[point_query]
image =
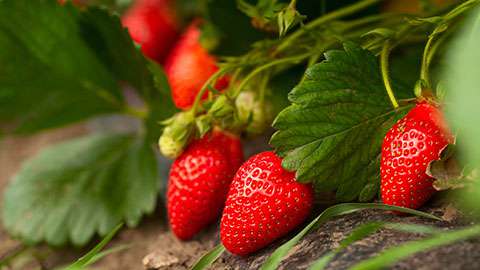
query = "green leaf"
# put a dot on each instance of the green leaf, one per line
(332, 133)
(264, 14)
(92, 255)
(160, 103)
(61, 65)
(323, 261)
(209, 258)
(72, 190)
(356, 235)
(366, 230)
(392, 255)
(462, 98)
(340, 209)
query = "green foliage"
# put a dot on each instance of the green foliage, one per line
(272, 16)
(263, 14)
(332, 133)
(72, 190)
(356, 235)
(209, 258)
(159, 102)
(340, 209)
(462, 95)
(288, 18)
(364, 231)
(394, 254)
(62, 65)
(95, 253)
(462, 109)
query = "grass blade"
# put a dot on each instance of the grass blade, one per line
(359, 233)
(210, 257)
(356, 235)
(93, 254)
(323, 261)
(394, 254)
(340, 209)
(107, 252)
(366, 230)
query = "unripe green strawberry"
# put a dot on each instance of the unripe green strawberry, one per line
(222, 107)
(408, 148)
(256, 115)
(177, 134)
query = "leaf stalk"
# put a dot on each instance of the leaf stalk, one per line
(385, 74)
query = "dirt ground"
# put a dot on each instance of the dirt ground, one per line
(152, 246)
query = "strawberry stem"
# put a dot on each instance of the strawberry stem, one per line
(384, 68)
(444, 29)
(137, 113)
(294, 59)
(326, 18)
(205, 87)
(424, 74)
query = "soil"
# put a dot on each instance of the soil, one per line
(152, 246)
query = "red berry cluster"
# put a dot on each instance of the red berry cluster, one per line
(154, 26)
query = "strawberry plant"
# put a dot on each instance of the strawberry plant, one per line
(350, 98)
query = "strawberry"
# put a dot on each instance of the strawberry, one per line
(264, 203)
(189, 66)
(199, 181)
(407, 150)
(153, 25)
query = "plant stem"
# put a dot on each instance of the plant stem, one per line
(256, 71)
(384, 68)
(204, 88)
(424, 75)
(132, 111)
(326, 18)
(431, 47)
(374, 18)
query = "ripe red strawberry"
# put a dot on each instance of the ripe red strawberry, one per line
(408, 148)
(264, 203)
(189, 66)
(153, 25)
(199, 182)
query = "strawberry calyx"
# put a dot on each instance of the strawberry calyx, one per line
(177, 134)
